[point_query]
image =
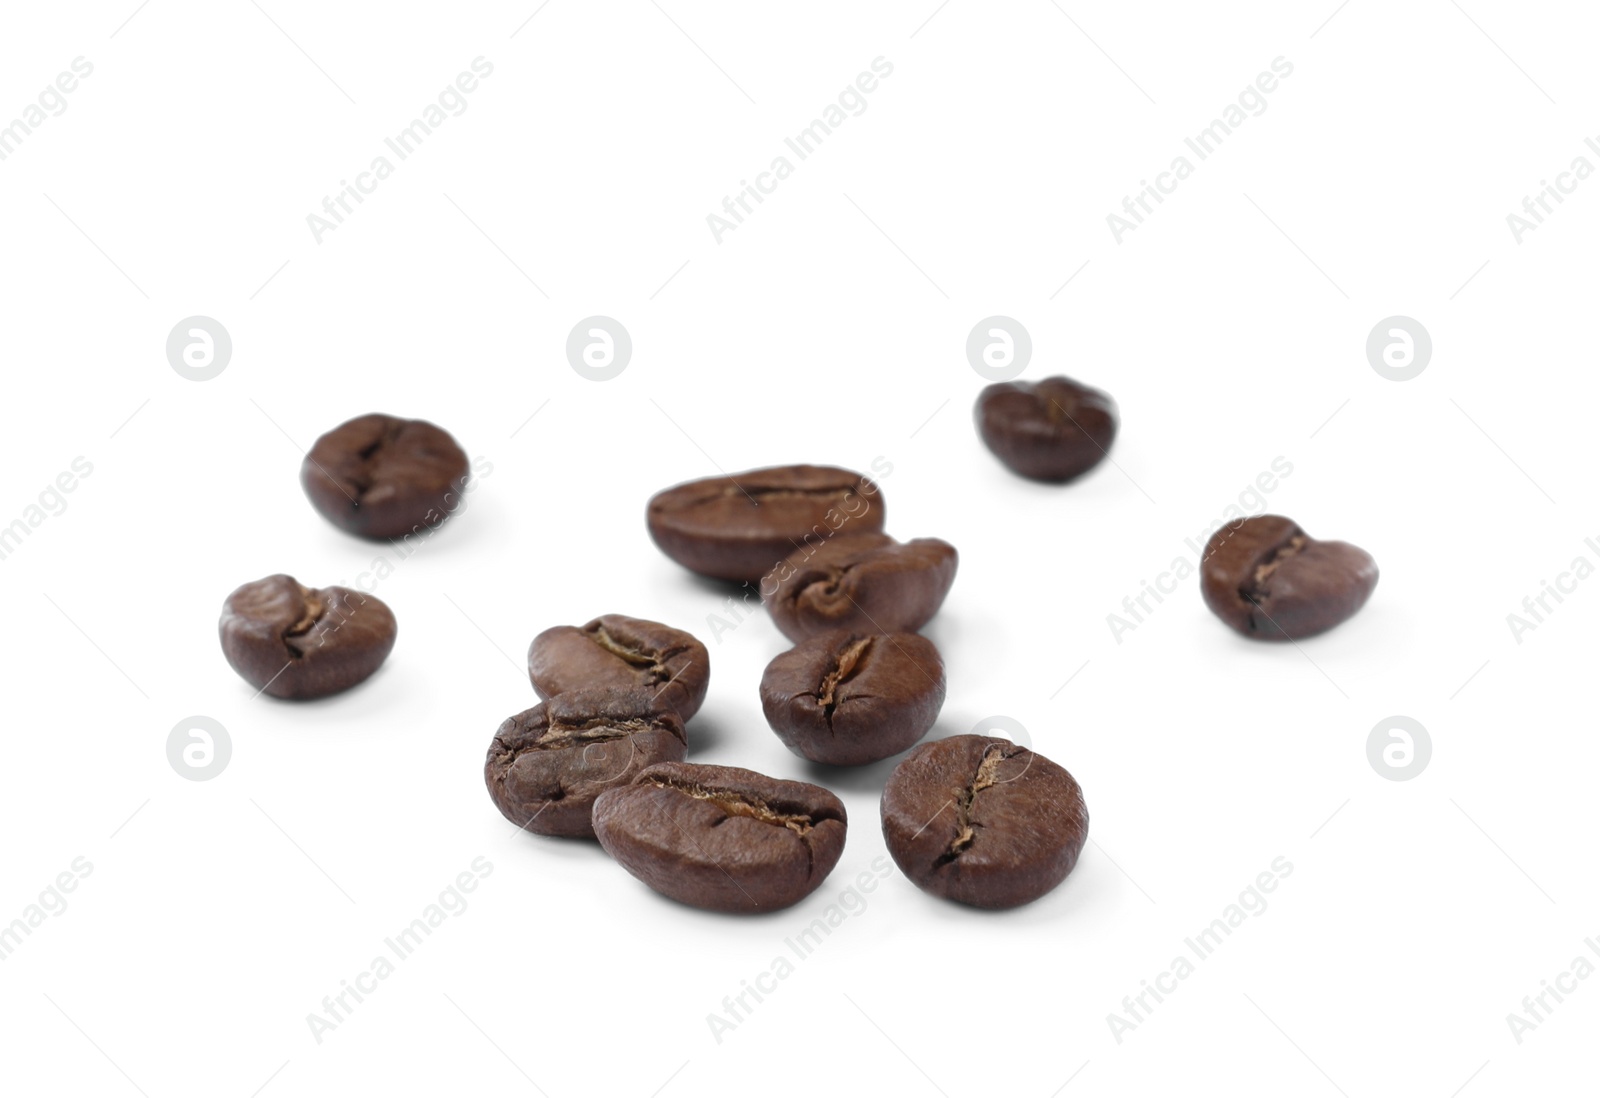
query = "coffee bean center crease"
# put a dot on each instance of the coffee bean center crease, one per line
(966, 828)
(737, 804)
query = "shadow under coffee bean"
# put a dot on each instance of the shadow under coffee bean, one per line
(293, 641)
(1054, 429)
(982, 821)
(847, 699)
(865, 582)
(738, 527)
(379, 476)
(722, 838)
(1270, 580)
(548, 764)
(621, 653)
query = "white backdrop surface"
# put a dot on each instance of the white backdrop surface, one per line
(206, 920)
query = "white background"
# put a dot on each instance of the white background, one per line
(830, 327)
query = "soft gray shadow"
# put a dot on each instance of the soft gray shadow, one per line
(872, 777)
(867, 779)
(705, 733)
(747, 591)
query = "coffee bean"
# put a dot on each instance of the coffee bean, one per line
(621, 652)
(979, 820)
(1270, 580)
(1053, 429)
(738, 527)
(722, 838)
(863, 582)
(547, 765)
(382, 477)
(847, 698)
(291, 641)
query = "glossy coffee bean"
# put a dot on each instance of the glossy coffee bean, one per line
(548, 764)
(847, 698)
(620, 653)
(862, 582)
(382, 477)
(738, 527)
(983, 821)
(1054, 429)
(293, 641)
(1269, 580)
(722, 838)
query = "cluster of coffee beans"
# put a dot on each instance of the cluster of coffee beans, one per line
(975, 819)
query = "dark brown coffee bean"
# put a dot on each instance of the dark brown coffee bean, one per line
(621, 652)
(382, 477)
(291, 641)
(847, 698)
(862, 582)
(979, 820)
(1270, 580)
(738, 527)
(1053, 429)
(547, 765)
(720, 837)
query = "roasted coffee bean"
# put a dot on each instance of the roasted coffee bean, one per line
(381, 477)
(547, 765)
(738, 527)
(1270, 580)
(1053, 429)
(291, 641)
(720, 837)
(982, 821)
(847, 698)
(864, 582)
(621, 652)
